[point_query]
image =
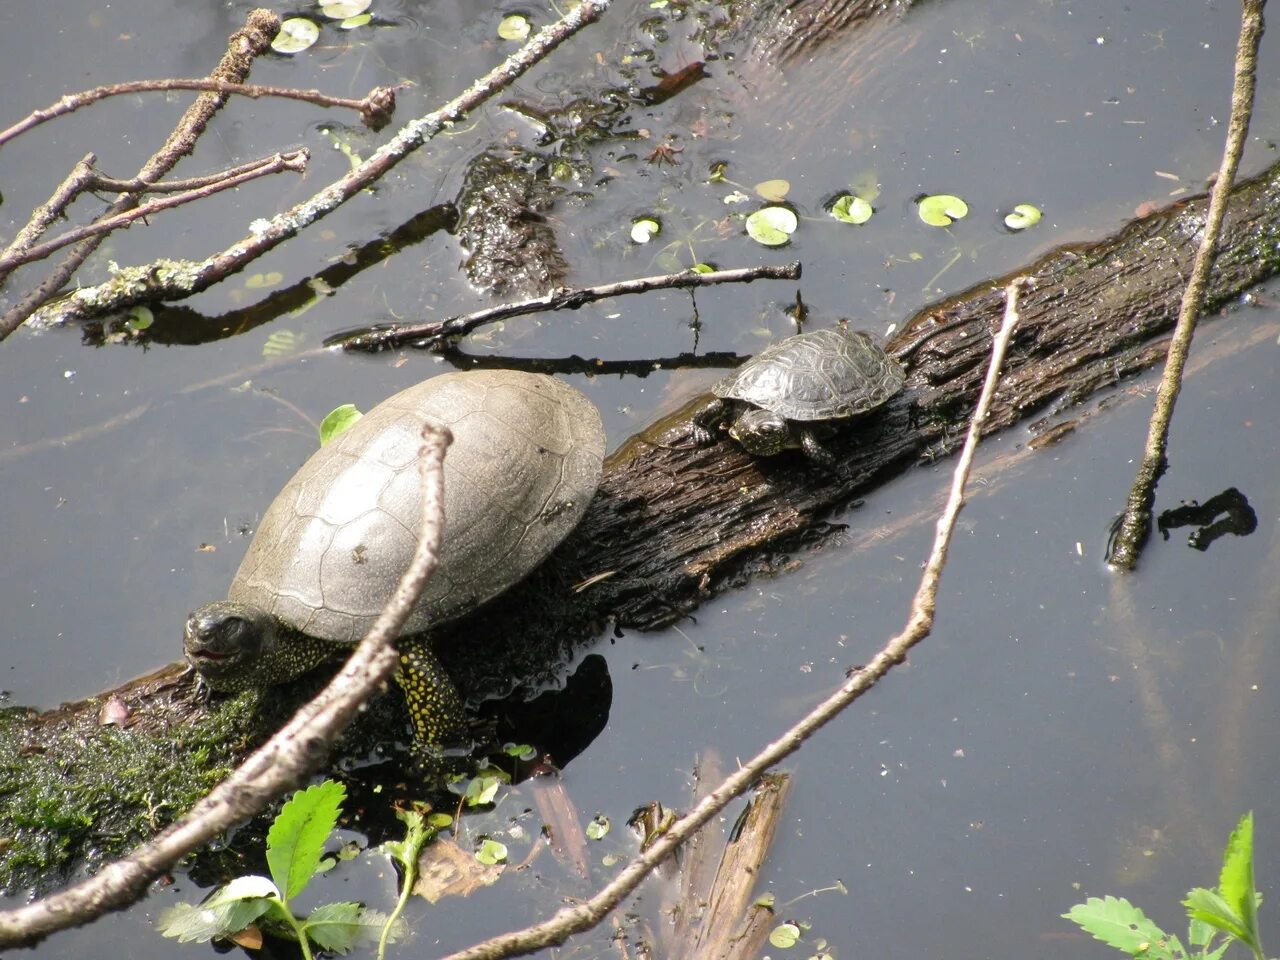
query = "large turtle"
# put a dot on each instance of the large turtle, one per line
(330, 549)
(793, 392)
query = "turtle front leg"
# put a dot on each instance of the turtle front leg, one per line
(815, 451)
(435, 706)
(706, 420)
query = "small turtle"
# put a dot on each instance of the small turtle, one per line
(524, 463)
(793, 392)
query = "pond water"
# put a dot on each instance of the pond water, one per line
(1064, 732)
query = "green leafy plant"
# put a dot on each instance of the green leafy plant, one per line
(295, 856)
(1218, 917)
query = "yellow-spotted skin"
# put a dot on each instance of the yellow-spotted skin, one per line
(435, 707)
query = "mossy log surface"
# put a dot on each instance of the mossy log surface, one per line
(672, 524)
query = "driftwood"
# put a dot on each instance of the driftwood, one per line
(673, 524)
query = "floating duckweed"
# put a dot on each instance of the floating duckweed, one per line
(344, 9)
(492, 852)
(940, 209)
(296, 34)
(514, 26)
(784, 936)
(338, 421)
(772, 226)
(598, 828)
(850, 209)
(1024, 215)
(773, 190)
(703, 268)
(357, 21)
(644, 229)
(140, 318)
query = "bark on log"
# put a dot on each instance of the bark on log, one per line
(673, 524)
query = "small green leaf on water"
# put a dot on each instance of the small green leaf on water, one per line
(703, 268)
(598, 828)
(341, 9)
(515, 26)
(773, 190)
(850, 209)
(188, 922)
(295, 842)
(440, 820)
(644, 229)
(772, 226)
(259, 281)
(1024, 215)
(492, 852)
(338, 421)
(296, 34)
(940, 209)
(280, 343)
(716, 173)
(521, 751)
(784, 936)
(482, 790)
(140, 318)
(358, 21)
(338, 927)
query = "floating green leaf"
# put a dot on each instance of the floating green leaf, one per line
(295, 842)
(644, 229)
(296, 34)
(357, 21)
(338, 421)
(784, 936)
(515, 26)
(702, 268)
(280, 343)
(259, 281)
(140, 318)
(1024, 215)
(598, 828)
(342, 9)
(772, 226)
(850, 209)
(940, 209)
(491, 852)
(481, 790)
(773, 190)
(521, 751)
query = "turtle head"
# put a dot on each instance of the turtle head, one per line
(227, 643)
(762, 432)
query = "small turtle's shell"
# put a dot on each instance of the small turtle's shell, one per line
(523, 466)
(823, 375)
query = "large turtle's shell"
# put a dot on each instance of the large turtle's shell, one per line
(823, 375)
(523, 466)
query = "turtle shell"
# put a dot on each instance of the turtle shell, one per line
(523, 466)
(822, 375)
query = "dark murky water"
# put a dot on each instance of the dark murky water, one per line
(1062, 727)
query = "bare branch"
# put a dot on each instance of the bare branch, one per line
(1135, 526)
(295, 161)
(244, 46)
(583, 916)
(375, 109)
(52, 209)
(282, 762)
(176, 280)
(399, 334)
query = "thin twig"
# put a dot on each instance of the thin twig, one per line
(52, 209)
(297, 749)
(1135, 526)
(134, 285)
(375, 108)
(585, 915)
(399, 334)
(243, 47)
(295, 161)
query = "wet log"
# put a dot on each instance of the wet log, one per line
(674, 524)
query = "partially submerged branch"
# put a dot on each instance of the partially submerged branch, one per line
(1135, 525)
(418, 334)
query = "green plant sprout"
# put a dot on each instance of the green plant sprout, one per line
(1230, 911)
(295, 856)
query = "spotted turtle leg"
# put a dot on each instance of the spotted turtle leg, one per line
(435, 706)
(704, 422)
(815, 451)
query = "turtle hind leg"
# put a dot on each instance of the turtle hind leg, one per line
(815, 451)
(706, 420)
(435, 706)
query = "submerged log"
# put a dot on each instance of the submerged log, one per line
(673, 524)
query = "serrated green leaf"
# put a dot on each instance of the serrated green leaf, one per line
(340, 926)
(296, 839)
(1207, 906)
(1200, 934)
(189, 923)
(1235, 882)
(1117, 923)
